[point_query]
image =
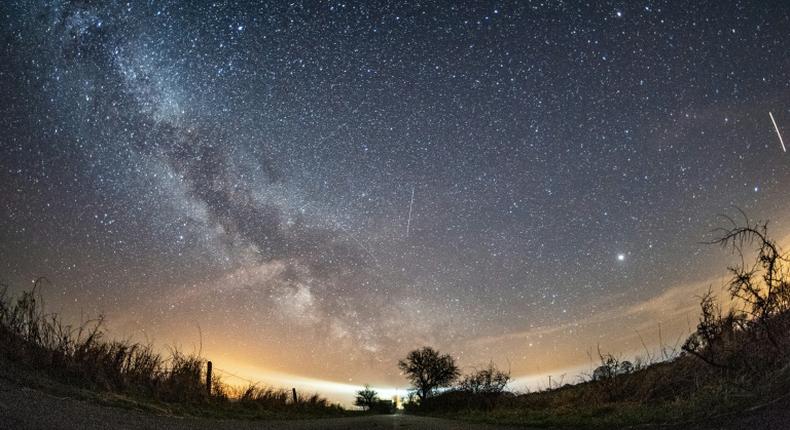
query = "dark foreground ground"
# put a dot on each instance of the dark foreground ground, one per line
(26, 408)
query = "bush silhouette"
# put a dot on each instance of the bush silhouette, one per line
(489, 380)
(366, 398)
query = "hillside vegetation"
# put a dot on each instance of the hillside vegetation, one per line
(38, 348)
(735, 363)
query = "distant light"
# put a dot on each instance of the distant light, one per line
(619, 14)
(620, 257)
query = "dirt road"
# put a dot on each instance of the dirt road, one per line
(24, 408)
(28, 409)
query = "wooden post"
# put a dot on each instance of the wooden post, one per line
(208, 378)
(296, 399)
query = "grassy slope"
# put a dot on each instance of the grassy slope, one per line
(40, 380)
(38, 350)
(735, 366)
(684, 390)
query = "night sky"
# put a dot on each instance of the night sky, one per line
(244, 173)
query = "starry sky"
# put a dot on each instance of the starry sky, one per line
(315, 188)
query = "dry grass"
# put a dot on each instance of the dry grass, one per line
(276, 399)
(82, 356)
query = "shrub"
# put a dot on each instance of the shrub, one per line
(489, 380)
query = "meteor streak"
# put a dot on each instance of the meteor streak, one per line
(777, 131)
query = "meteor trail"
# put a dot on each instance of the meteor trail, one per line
(777, 131)
(411, 204)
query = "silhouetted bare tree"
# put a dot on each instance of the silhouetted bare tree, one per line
(428, 370)
(760, 293)
(764, 285)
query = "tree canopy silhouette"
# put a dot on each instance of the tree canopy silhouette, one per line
(428, 370)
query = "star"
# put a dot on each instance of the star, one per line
(327, 183)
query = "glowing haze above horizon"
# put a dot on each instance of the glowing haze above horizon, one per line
(310, 190)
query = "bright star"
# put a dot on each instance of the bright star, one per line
(620, 257)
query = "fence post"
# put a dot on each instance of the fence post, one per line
(296, 399)
(208, 378)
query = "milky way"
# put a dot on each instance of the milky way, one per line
(250, 169)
